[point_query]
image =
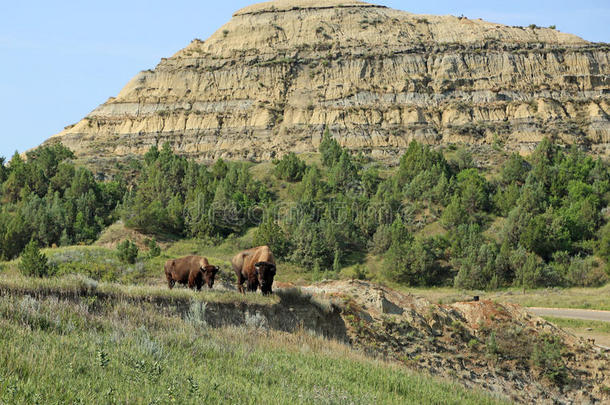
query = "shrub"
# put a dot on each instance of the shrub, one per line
(127, 252)
(382, 240)
(491, 345)
(546, 356)
(153, 248)
(462, 159)
(414, 262)
(330, 149)
(33, 262)
(290, 168)
(269, 233)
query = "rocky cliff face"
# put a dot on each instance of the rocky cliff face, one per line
(275, 76)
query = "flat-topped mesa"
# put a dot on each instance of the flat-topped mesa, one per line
(279, 73)
(288, 5)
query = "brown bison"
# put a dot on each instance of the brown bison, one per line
(257, 266)
(191, 270)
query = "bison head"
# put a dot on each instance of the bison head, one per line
(209, 274)
(265, 272)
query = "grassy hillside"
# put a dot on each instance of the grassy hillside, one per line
(57, 352)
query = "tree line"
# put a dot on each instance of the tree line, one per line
(538, 221)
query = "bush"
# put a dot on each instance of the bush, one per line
(585, 272)
(290, 168)
(269, 233)
(414, 263)
(33, 262)
(153, 248)
(382, 240)
(127, 252)
(330, 149)
(547, 358)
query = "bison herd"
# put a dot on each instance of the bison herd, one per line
(254, 266)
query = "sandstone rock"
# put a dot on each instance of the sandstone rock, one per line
(275, 76)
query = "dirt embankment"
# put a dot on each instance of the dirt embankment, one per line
(502, 348)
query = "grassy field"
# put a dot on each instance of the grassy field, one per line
(581, 298)
(581, 325)
(58, 352)
(599, 331)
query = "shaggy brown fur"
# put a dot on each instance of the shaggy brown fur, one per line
(191, 270)
(257, 267)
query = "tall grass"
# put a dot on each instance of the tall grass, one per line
(55, 352)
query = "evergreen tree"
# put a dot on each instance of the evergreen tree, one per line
(127, 252)
(33, 262)
(269, 233)
(290, 168)
(330, 149)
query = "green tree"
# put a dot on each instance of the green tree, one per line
(154, 250)
(473, 190)
(330, 149)
(419, 158)
(370, 181)
(603, 245)
(3, 170)
(477, 269)
(545, 234)
(455, 214)
(127, 252)
(220, 169)
(514, 170)
(290, 168)
(33, 262)
(414, 263)
(343, 173)
(269, 233)
(312, 187)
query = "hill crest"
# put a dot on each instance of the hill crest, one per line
(279, 73)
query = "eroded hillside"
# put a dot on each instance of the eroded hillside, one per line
(279, 73)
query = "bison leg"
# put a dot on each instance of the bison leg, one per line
(252, 286)
(170, 281)
(240, 283)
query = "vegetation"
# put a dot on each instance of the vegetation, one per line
(535, 222)
(180, 197)
(594, 327)
(34, 263)
(124, 353)
(46, 198)
(547, 358)
(290, 168)
(127, 252)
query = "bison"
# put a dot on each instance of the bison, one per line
(257, 266)
(191, 270)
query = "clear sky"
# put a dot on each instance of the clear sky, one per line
(61, 59)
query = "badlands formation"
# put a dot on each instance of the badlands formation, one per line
(279, 73)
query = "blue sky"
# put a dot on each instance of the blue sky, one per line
(61, 59)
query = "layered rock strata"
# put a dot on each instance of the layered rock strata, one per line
(277, 74)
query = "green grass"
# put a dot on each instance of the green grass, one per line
(55, 352)
(581, 325)
(78, 285)
(578, 298)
